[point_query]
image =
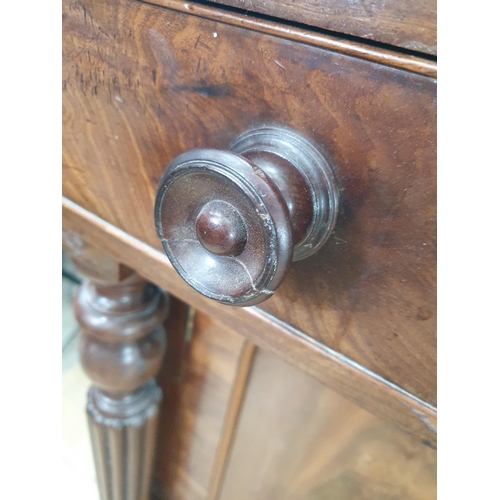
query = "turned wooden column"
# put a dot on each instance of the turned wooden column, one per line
(121, 349)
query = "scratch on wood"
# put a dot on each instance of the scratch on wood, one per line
(425, 420)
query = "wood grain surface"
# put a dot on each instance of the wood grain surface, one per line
(336, 371)
(298, 440)
(210, 368)
(410, 24)
(245, 363)
(300, 34)
(171, 378)
(142, 84)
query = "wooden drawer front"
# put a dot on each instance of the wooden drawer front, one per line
(410, 24)
(143, 84)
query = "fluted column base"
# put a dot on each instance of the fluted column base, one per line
(123, 434)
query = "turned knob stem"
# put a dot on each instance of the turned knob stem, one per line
(232, 221)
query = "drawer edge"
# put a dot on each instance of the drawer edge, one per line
(389, 58)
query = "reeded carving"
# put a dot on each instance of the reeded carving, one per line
(122, 345)
(123, 435)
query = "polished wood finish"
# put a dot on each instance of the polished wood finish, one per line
(410, 24)
(253, 397)
(171, 379)
(121, 349)
(351, 380)
(203, 379)
(231, 221)
(210, 369)
(390, 58)
(157, 83)
(237, 394)
(298, 440)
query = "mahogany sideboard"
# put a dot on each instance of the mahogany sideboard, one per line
(249, 189)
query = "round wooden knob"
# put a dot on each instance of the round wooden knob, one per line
(232, 221)
(220, 228)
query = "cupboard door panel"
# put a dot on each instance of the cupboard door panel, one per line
(298, 440)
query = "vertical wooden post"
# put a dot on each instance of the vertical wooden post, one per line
(121, 349)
